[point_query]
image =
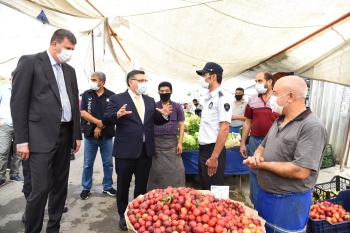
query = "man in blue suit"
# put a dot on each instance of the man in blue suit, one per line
(134, 115)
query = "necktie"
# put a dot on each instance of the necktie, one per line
(66, 108)
(138, 107)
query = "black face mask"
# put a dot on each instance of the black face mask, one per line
(196, 105)
(165, 97)
(238, 97)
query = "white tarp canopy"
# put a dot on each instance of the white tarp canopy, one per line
(173, 38)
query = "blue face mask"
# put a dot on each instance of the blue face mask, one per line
(142, 88)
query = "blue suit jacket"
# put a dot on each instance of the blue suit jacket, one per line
(129, 128)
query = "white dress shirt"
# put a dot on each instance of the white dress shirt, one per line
(133, 97)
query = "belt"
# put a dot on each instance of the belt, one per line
(65, 124)
(208, 145)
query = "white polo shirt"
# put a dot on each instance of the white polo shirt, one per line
(217, 107)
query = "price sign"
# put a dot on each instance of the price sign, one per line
(220, 191)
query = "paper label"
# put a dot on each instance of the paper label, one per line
(220, 191)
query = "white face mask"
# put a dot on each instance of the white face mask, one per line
(260, 88)
(275, 107)
(65, 55)
(203, 83)
(141, 88)
(94, 86)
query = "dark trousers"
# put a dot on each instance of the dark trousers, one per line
(27, 178)
(49, 179)
(207, 181)
(125, 168)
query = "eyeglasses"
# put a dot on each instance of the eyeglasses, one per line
(140, 80)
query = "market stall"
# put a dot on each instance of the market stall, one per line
(234, 160)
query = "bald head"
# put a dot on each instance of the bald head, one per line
(293, 84)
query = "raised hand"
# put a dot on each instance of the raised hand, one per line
(166, 110)
(122, 111)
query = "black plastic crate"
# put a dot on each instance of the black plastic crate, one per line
(328, 157)
(330, 189)
(322, 226)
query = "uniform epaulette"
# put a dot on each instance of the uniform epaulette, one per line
(220, 94)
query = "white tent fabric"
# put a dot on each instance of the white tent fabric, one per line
(334, 68)
(74, 8)
(177, 37)
(174, 38)
(21, 34)
(59, 20)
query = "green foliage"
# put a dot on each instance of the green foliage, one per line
(190, 141)
(328, 160)
(192, 123)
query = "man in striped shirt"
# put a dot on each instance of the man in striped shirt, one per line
(259, 118)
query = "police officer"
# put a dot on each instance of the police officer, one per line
(215, 125)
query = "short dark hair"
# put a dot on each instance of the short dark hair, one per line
(60, 34)
(218, 77)
(131, 75)
(268, 76)
(165, 84)
(240, 89)
(194, 100)
(100, 75)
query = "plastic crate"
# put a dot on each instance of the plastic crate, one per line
(322, 226)
(328, 157)
(327, 190)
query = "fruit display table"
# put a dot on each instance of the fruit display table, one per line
(185, 209)
(234, 162)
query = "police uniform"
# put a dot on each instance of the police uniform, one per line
(216, 108)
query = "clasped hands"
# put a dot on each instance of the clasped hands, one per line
(165, 111)
(254, 162)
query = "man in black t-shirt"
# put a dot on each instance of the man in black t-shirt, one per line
(96, 135)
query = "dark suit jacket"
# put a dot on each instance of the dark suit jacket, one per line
(129, 128)
(36, 104)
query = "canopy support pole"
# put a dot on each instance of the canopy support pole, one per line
(113, 33)
(93, 49)
(346, 150)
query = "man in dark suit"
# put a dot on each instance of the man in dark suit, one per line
(46, 120)
(134, 115)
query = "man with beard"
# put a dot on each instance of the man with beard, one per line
(259, 119)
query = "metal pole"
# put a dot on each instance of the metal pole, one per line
(93, 49)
